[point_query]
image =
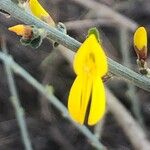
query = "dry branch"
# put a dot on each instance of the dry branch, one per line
(132, 130)
(86, 23)
(51, 98)
(102, 10)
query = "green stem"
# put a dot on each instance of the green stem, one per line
(72, 44)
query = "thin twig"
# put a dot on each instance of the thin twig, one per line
(102, 10)
(51, 98)
(72, 44)
(98, 129)
(132, 130)
(86, 23)
(16, 103)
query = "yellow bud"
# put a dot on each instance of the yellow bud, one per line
(140, 42)
(140, 38)
(22, 30)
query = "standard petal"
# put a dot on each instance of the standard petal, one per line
(98, 102)
(91, 47)
(81, 55)
(101, 65)
(74, 101)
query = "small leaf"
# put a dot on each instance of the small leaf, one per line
(95, 32)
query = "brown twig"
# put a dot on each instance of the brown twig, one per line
(102, 10)
(86, 23)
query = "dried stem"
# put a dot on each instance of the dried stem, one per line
(51, 98)
(132, 130)
(16, 103)
(86, 23)
(102, 10)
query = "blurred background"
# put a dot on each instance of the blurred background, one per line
(47, 128)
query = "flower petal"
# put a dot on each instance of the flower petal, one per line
(100, 59)
(86, 93)
(74, 101)
(91, 46)
(40, 12)
(97, 108)
(37, 9)
(79, 97)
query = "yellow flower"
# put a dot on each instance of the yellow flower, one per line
(140, 42)
(40, 12)
(140, 38)
(87, 95)
(22, 30)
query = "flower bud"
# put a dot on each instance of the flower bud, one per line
(31, 35)
(22, 30)
(140, 43)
